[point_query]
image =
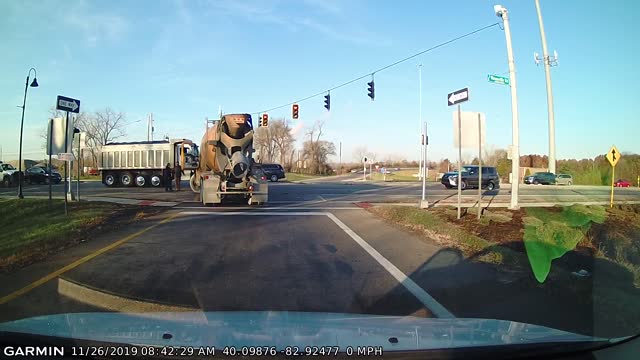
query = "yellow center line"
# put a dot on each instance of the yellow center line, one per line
(55, 274)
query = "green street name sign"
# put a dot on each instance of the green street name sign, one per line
(502, 80)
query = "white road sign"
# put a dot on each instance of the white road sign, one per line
(469, 120)
(457, 97)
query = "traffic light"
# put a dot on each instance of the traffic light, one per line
(265, 120)
(295, 111)
(327, 102)
(260, 122)
(372, 90)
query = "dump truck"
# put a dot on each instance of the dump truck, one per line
(140, 163)
(227, 171)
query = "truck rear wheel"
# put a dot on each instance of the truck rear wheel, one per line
(156, 180)
(109, 180)
(140, 181)
(126, 179)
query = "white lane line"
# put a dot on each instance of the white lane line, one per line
(427, 300)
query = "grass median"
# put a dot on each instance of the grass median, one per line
(574, 268)
(32, 229)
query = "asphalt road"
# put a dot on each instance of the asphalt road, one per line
(347, 190)
(311, 249)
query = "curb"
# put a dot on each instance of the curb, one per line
(123, 201)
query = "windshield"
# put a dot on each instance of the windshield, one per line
(285, 173)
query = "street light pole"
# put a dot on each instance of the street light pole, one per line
(24, 103)
(547, 71)
(515, 127)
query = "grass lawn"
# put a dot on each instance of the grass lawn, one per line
(403, 175)
(542, 251)
(31, 229)
(297, 177)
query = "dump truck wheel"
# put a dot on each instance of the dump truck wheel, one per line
(109, 180)
(126, 179)
(156, 180)
(140, 181)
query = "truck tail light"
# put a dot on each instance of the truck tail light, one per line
(263, 177)
(250, 188)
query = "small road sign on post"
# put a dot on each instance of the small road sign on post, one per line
(457, 97)
(502, 80)
(68, 104)
(66, 157)
(613, 156)
(454, 98)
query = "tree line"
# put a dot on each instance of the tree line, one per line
(276, 144)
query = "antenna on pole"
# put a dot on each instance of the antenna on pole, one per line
(553, 61)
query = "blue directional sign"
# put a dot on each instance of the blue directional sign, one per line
(68, 104)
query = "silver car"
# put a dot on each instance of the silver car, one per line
(564, 179)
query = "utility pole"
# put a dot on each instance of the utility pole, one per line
(501, 12)
(150, 128)
(547, 70)
(340, 161)
(420, 167)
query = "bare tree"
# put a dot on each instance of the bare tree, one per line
(275, 142)
(359, 153)
(263, 142)
(101, 128)
(318, 150)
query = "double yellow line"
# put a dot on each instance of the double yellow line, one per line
(73, 265)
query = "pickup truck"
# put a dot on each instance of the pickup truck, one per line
(8, 175)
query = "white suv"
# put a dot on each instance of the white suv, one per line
(8, 174)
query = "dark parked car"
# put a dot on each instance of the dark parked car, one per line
(470, 178)
(545, 178)
(273, 172)
(40, 175)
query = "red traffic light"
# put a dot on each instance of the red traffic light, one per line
(265, 120)
(295, 111)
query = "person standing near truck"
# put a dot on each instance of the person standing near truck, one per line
(167, 174)
(179, 173)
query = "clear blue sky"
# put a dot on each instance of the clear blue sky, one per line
(181, 59)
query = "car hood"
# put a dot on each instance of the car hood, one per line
(283, 329)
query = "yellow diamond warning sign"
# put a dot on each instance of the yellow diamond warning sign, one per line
(613, 156)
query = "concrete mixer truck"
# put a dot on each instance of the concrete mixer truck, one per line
(226, 171)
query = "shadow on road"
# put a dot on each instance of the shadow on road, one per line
(604, 303)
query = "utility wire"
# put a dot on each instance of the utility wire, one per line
(382, 68)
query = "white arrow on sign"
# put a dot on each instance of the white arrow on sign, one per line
(455, 97)
(68, 104)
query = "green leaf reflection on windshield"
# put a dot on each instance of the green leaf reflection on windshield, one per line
(550, 234)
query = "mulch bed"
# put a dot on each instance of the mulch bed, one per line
(508, 233)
